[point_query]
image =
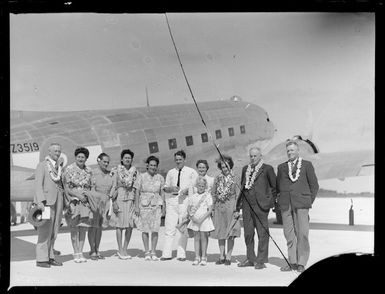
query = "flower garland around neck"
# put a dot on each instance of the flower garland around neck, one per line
(299, 164)
(127, 176)
(250, 179)
(224, 186)
(55, 176)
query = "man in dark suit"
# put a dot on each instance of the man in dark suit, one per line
(297, 187)
(49, 194)
(258, 194)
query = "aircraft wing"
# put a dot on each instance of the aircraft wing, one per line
(328, 165)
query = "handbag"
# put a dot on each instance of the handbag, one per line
(182, 228)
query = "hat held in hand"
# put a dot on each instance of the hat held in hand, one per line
(35, 217)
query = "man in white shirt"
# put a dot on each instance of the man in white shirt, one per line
(178, 179)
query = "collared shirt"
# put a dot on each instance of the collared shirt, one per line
(188, 177)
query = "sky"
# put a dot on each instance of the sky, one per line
(312, 72)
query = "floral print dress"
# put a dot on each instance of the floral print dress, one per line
(224, 195)
(78, 180)
(123, 184)
(150, 201)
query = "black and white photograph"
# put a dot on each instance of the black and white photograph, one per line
(189, 149)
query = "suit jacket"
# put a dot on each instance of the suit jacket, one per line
(45, 188)
(262, 192)
(300, 193)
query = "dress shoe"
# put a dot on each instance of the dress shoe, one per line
(181, 258)
(245, 263)
(56, 252)
(260, 266)
(227, 261)
(300, 268)
(94, 257)
(55, 262)
(43, 263)
(288, 268)
(165, 258)
(220, 261)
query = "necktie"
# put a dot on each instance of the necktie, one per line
(178, 183)
(293, 170)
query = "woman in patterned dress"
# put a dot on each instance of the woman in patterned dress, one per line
(150, 205)
(124, 177)
(224, 193)
(101, 188)
(77, 185)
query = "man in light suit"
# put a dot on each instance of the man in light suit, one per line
(297, 187)
(49, 193)
(178, 181)
(258, 194)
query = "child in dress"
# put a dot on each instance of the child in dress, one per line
(199, 209)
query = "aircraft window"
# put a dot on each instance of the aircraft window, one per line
(243, 130)
(231, 132)
(204, 138)
(189, 141)
(218, 134)
(153, 146)
(172, 143)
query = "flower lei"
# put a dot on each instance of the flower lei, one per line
(250, 180)
(78, 178)
(55, 176)
(224, 186)
(297, 171)
(127, 177)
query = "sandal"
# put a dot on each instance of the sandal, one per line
(154, 257)
(76, 258)
(196, 261)
(147, 256)
(82, 258)
(119, 255)
(203, 261)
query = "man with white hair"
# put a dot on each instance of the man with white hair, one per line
(297, 187)
(49, 195)
(258, 194)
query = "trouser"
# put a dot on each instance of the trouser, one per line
(296, 231)
(13, 213)
(250, 223)
(48, 231)
(174, 214)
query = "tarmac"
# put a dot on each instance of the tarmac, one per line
(329, 235)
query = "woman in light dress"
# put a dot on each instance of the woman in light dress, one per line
(123, 191)
(199, 210)
(150, 206)
(102, 182)
(78, 215)
(225, 193)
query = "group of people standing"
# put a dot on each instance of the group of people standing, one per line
(210, 207)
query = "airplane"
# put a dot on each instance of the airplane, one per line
(233, 125)
(156, 130)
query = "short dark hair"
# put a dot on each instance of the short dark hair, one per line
(152, 157)
(204, 161)
(180, 153)
(101, 155)
(82, 150)
(124, 152)
(225, 158)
